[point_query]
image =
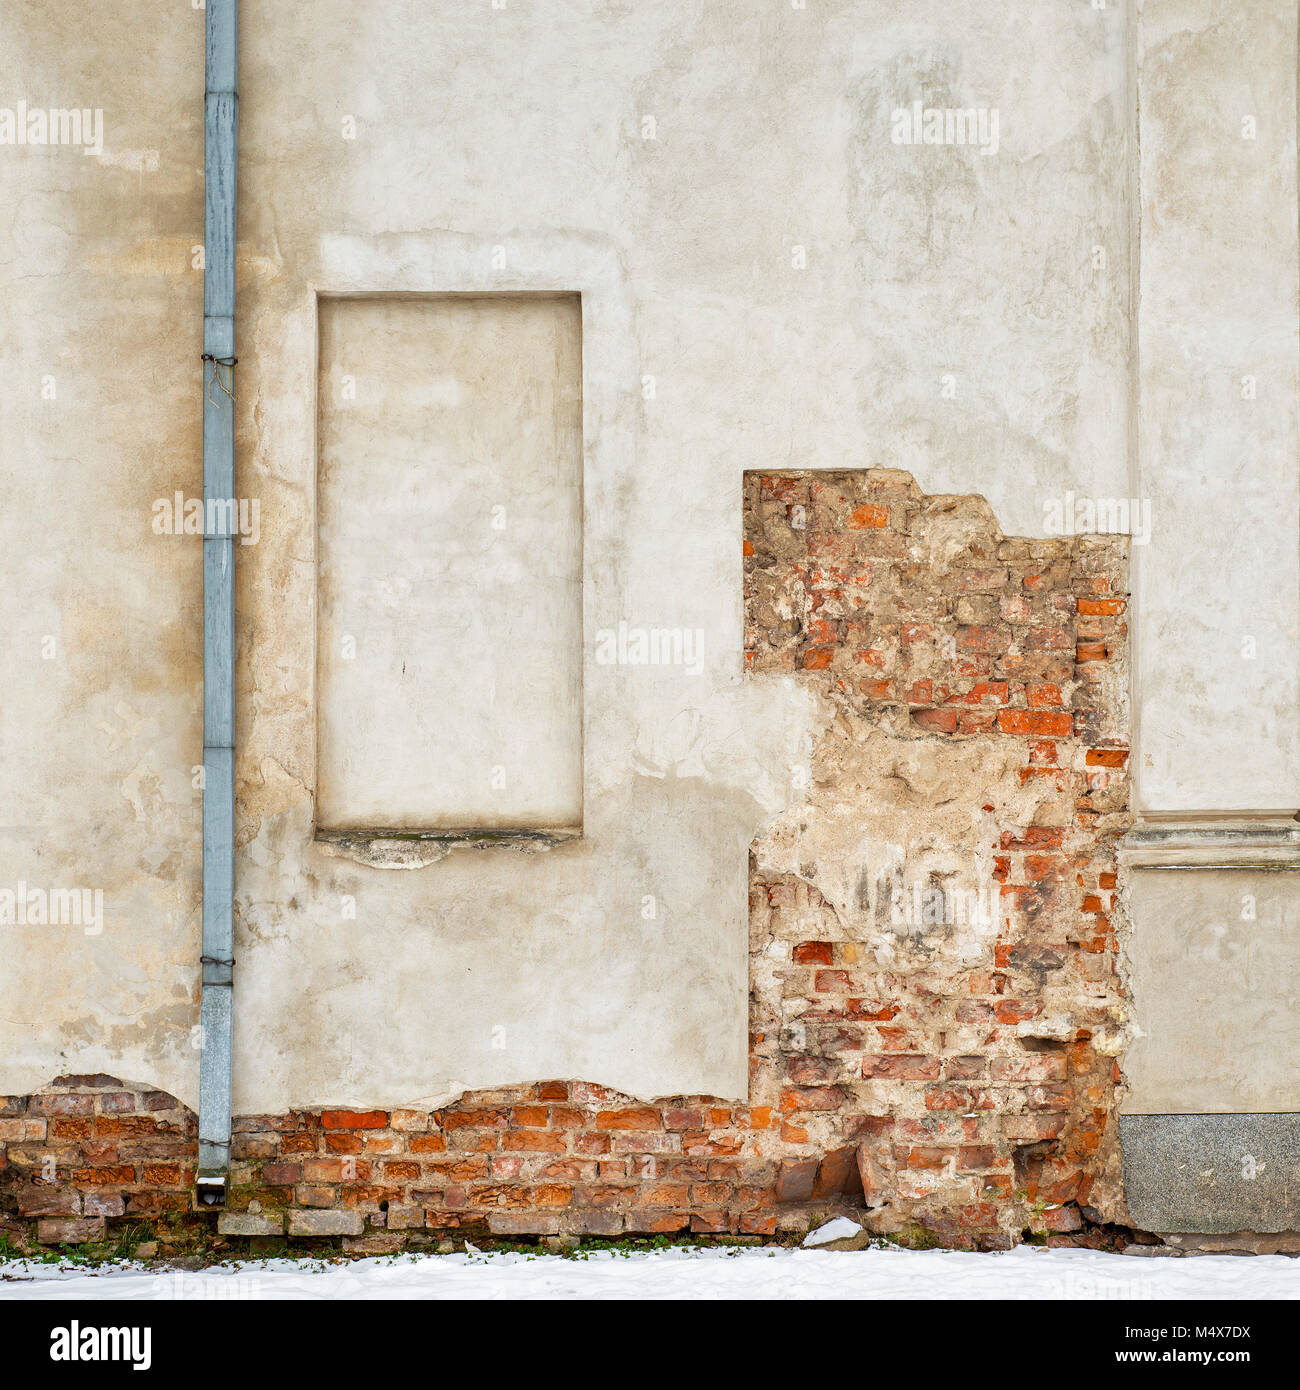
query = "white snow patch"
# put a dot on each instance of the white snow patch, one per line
(744, 1272)
(841, 1228)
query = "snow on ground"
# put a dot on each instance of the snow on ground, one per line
(747, 1273)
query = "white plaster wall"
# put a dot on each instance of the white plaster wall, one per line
(1216, 610)
(449, 647)
(1217, 591)
(1216, 993)
(769, 281)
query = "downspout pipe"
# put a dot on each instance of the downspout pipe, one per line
(220, 164)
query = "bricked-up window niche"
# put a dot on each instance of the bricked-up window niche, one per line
(449, 497)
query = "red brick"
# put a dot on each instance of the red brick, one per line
(675, 1119)
(533, 1141)
(1030, 1066)
(1034, 837)
(935, 721)
(552, 1195)
(427, 1144)
(103, 1177)
(640, 1117)
(900, 1067)
(868, 517)
(710, 1222)
(956, 1098)
(656, 1223)
(828, 981)
(1031, 1127)
(475, 1119)
(811, 1071)
(62, 1105)
(112, 1126)
(983, 639)
(812, 1098)
(1043, 695)
(795, 1180)
(838, 1172)
(354, 1119)
(1065, 1218)
(872, 1010)
(663, 1195)
(983, 692)
(69, 1129)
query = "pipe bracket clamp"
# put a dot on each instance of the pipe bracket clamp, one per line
(218, 970)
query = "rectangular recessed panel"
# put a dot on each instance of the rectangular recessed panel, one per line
(1213, 971)
(449, 512)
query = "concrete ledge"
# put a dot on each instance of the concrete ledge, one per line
(1248, 843)
(396, 849)
(1212, 1174)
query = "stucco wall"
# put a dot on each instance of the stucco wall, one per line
(1213, 960)
(1217, 592)
(1218, 589)
(449, 547)
(769, 280)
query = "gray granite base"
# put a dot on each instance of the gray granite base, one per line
(1212, 1174)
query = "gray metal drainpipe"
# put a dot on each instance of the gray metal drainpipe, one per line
(221, 128)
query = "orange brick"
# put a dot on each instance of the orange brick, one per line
(354, 1119)
(640, 1117)
(1039, 722)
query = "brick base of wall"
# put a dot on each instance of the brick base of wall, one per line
(90, 1157)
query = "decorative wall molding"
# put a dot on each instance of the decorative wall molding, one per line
(1239, 843)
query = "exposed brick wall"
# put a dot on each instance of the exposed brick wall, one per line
(962, 1080)
(989, 1057)
(555, 1156)
(90, 1150)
